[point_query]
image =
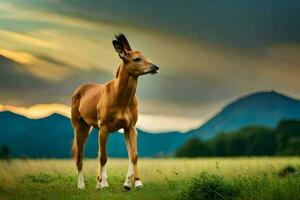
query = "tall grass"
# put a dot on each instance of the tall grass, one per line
(163, 178)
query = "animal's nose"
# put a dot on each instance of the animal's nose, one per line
(155, 67)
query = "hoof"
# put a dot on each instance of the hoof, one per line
(81, 187)
(127, 184)
(126, 189)
(102, 185)
(138, 184)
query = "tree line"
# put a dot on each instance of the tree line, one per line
(248, 141)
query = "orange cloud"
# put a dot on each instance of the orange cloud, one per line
(38, 111)
(23, 38)
(36, 66)
(17, 56)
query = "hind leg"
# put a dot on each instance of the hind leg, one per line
(81, 132)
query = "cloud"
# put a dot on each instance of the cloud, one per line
(41, 67)
(248, 24)
(10, 11)
(20, 57)
(38, 111)
(52, 47)
(23, 38)
(20, 87)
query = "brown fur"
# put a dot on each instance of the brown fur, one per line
(110, 107)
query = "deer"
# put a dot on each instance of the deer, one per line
(110, 107)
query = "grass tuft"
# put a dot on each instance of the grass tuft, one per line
(39, 178)
(207, 186)
(288, 170)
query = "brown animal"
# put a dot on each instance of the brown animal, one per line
(110, 107)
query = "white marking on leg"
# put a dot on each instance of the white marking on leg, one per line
(128, 182)
(80, 180)
(103, 183)
(138, 183)
(130, 170)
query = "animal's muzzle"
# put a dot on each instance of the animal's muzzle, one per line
(154, 69)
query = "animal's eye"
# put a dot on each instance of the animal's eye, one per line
(137, 59)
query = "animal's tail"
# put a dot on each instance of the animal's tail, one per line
(75, 116)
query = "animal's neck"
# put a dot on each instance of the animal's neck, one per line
(125, 86)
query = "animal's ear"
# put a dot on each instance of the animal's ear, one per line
(123, 40)
(119, 48)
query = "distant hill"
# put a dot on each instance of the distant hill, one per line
(262, 108)
(52, 137)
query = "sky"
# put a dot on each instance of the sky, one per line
(209, 53)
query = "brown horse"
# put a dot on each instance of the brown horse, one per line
(110, 107)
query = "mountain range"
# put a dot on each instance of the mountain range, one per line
(52, 136)
(261, 108)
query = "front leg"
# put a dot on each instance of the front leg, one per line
(102, 176)
(133, 173)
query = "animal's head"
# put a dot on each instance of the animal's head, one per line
(135, 63)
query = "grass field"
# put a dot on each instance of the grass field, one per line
(250, 178)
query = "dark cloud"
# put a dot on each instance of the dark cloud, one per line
(248, 23)
(21, 88)
(53, 60)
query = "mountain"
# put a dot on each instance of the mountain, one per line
(262, 108)
(52, 137)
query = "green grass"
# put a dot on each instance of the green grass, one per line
(207, 178)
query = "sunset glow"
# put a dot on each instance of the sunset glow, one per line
(38, 111)
(151, 123)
